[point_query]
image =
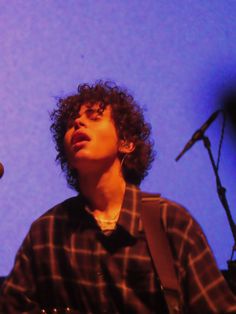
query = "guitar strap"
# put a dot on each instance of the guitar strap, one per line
(160, 251)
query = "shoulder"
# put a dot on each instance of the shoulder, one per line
(175, 215)
(172, 213)
(49, 228)
(59, 211)
(56, 217)
(184, 232)
(181, 227)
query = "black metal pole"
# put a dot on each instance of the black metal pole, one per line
(220, 189)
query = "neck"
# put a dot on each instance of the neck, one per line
(104, 191)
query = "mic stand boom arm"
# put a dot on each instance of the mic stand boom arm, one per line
(220, 189)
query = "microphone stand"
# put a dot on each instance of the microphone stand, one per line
(221, 190)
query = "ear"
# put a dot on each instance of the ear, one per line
(126, 147)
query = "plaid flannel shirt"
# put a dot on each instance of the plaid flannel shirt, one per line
(66, 261)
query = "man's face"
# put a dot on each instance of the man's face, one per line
(91, 139)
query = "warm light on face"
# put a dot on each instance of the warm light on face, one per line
(92, 138)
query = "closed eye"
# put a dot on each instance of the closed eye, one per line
(90, 113)
(94, 114)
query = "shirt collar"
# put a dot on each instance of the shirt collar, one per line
(129, 218)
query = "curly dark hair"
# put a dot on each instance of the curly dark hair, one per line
(129, 122)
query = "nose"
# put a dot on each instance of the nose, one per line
(79, 122)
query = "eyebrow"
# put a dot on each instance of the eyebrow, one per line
(100, 107)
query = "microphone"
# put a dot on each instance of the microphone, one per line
(1, 170)
(228, 100)
(198, 134)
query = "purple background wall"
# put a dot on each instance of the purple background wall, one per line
(174, 56)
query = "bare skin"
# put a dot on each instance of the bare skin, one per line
(96, 161)
(104, 192)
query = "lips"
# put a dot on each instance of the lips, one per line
(79, 137)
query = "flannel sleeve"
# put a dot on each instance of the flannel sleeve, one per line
(204, 287)
(18, 293)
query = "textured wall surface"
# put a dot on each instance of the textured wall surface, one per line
(173, 56)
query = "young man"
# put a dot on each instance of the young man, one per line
(89, 254)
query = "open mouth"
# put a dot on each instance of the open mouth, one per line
(79, 137)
